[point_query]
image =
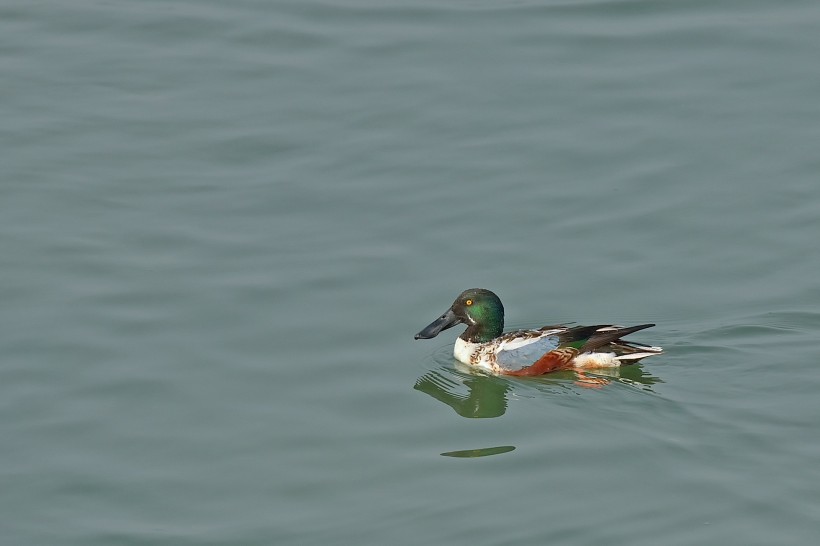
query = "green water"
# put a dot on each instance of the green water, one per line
(221, 225)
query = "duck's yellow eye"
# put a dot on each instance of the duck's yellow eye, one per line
(469, 302)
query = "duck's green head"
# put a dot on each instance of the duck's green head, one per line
(479, 309)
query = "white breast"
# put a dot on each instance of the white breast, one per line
(462, 350)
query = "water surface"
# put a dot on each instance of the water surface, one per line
(223, 223)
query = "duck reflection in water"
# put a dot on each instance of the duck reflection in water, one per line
(472, 396)
(475, 395)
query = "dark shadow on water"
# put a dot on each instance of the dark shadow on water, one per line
(481, 452)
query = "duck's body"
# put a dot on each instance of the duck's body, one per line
(483, 344)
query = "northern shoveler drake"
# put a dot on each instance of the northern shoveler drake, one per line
(484, 345)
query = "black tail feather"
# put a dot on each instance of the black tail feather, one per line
(603, 335)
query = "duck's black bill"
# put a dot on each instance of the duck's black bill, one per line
(447, 320)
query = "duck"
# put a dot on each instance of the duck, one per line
(532, 352)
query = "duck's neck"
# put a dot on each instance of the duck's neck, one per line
(484, 331)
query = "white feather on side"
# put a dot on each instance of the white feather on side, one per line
(635, 356)
(596, 360)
